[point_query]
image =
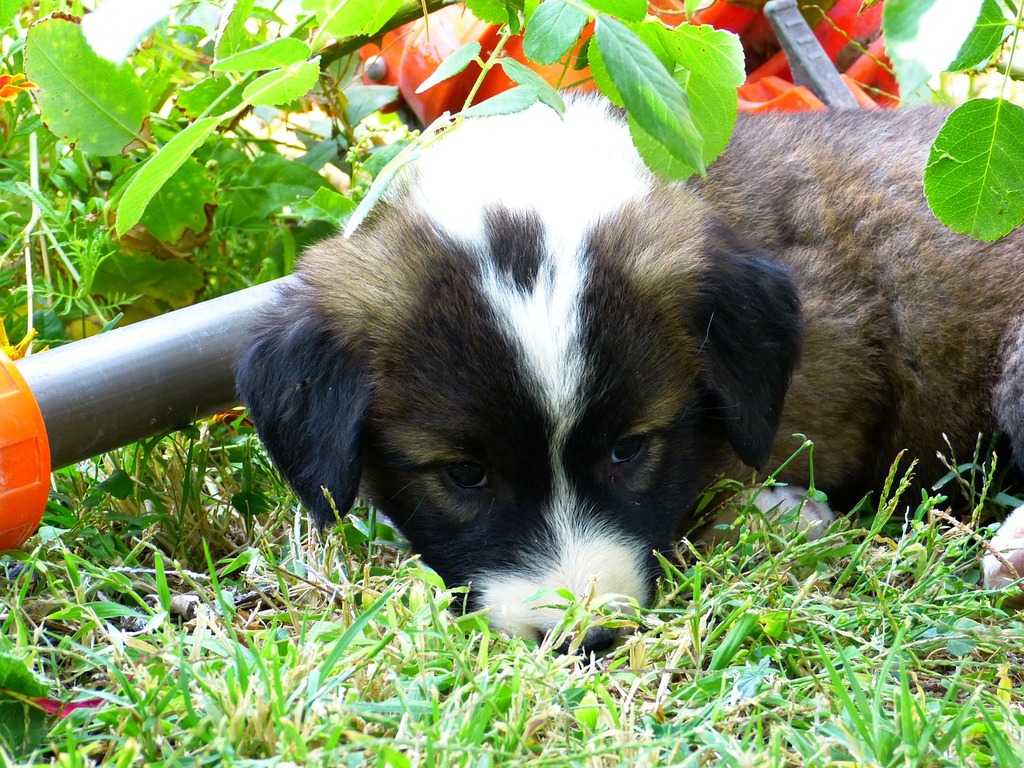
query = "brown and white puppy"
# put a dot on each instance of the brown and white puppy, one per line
(534, 355)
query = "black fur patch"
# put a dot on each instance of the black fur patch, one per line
(308, 398)
(516, 240)
(747, 313)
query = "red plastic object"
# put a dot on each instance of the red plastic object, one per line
(24, 459)
(411, 53)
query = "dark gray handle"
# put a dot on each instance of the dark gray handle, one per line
(143, 379)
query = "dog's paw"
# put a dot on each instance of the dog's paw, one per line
(1003, 563)
(815, 516)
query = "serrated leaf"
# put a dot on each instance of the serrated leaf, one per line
(922, 37)
(90, 102)
(713, 107)
(627, 10)
(505, 103)
(553, 30)
(283, 52)
(180, 203)
(348, 18)
(994, 25)
(491, 11)
(602, 79)
(283, 85)
(159, 168)
(709, 53)
(974, 180)
(455, 63)
(195, 100)
(232, 36)
(523, 75)
(656, 101)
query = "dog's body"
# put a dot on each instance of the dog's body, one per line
(533, 366)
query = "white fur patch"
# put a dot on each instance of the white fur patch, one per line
(815, 516)
(1009, 543)
(579, 557)
(546, 327)
(570, 171)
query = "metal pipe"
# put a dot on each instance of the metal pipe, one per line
(808, 61)
(121, 386)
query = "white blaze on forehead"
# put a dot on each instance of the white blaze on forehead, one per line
(567, 172)
(545, 325)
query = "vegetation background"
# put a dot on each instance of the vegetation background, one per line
(175, 609)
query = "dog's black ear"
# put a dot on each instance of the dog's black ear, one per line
(748, 324)
(308, 398)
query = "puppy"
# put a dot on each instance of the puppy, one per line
(534, 355)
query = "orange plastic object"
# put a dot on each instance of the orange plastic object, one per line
(24, 459)
(773, 94)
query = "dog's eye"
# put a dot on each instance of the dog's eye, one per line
(467, 474)
(628, 448)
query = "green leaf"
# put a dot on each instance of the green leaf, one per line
(713, 62)
(348, 18)
(119, 484)
(283, 85)
(553, 30)
(627, 10)
(175, 281)
(270, 183)
(974, 180)
(491, 11)
(8, 8)
(709, 53)
(505, 103)
(159, 168)
(232, 36)
(283, 52)
(602, 78)
(713, 107)
(96, 105)
(455, 63)
(994, 25)
(922, 37)
(364, 100)
(195, 100)
(180, 203)
(16, 676)
(379, 186)
(523, 75)
(652, 97)
(325, 205)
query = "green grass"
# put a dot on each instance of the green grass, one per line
(177, 594)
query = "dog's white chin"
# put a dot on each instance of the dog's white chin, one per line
(594, 569)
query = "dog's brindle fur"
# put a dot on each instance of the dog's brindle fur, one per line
(801, 287)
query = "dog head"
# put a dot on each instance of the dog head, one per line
(531, 364)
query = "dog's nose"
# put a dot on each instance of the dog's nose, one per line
(595, 640)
